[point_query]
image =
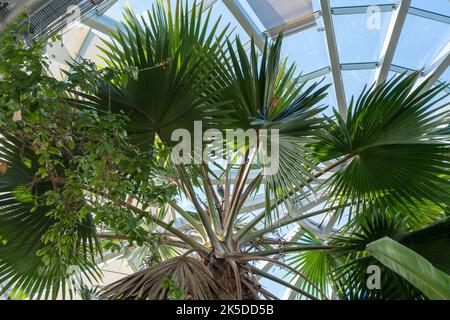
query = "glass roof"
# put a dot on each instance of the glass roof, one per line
(438, 6)
(360, 28)
(354, 82)
(308, 49)
(347, 3)
(421, 41)
(357, 40)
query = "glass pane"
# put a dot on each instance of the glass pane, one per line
(350, 3)
(354, 82)
(360, 37)
(278, 15)
(420, 42)
(307, 49)
(438, 6)
(138, 6)
(316, 5)
(220, 11)
(116, 11)
(330, 100)
(252, 15)
(445, 76)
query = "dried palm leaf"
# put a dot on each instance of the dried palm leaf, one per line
(188, 273)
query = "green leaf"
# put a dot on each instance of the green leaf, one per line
(352, 260)
(267, 95)
(169, 53)
(393, 154)
(434, 283)
(24, 266)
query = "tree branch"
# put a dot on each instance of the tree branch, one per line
(244, 172)
(271, 252)
(285, 221)
(261, 216)
(197, 226)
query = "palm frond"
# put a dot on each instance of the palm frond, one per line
(185, 273)
(389, 137)
(267, 95)
(23, 226)
(167, 75)
(350, 275)
(315, 265)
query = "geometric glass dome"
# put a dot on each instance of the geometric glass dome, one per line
(347, 43)
(350, 43)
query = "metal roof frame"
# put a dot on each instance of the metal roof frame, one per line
(390, 43)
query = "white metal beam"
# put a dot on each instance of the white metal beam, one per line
(335, 11)
(103, 23)
(388, 8)
(361, 9)
(333, 218)
(390, 42)
(344, 67)
(238, 11)
(334, 57)
(429, 15)
(437, 68)
(315, 74)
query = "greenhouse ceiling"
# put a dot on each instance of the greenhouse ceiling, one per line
(350, 43)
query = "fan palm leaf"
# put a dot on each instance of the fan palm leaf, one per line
(23, 226)
(266, 95)
(389, 145)
(315, 265)
(168, 79)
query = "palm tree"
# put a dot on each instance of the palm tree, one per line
(383, 167)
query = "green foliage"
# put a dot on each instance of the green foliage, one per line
(58, 162)
(434, 283)
(266, 94)
(174, 290)
(87, 293)
(432, 243)
(174, 54)
(389, 140)
(315, 266)
(40, 246)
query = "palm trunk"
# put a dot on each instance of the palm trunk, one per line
(223, 273)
